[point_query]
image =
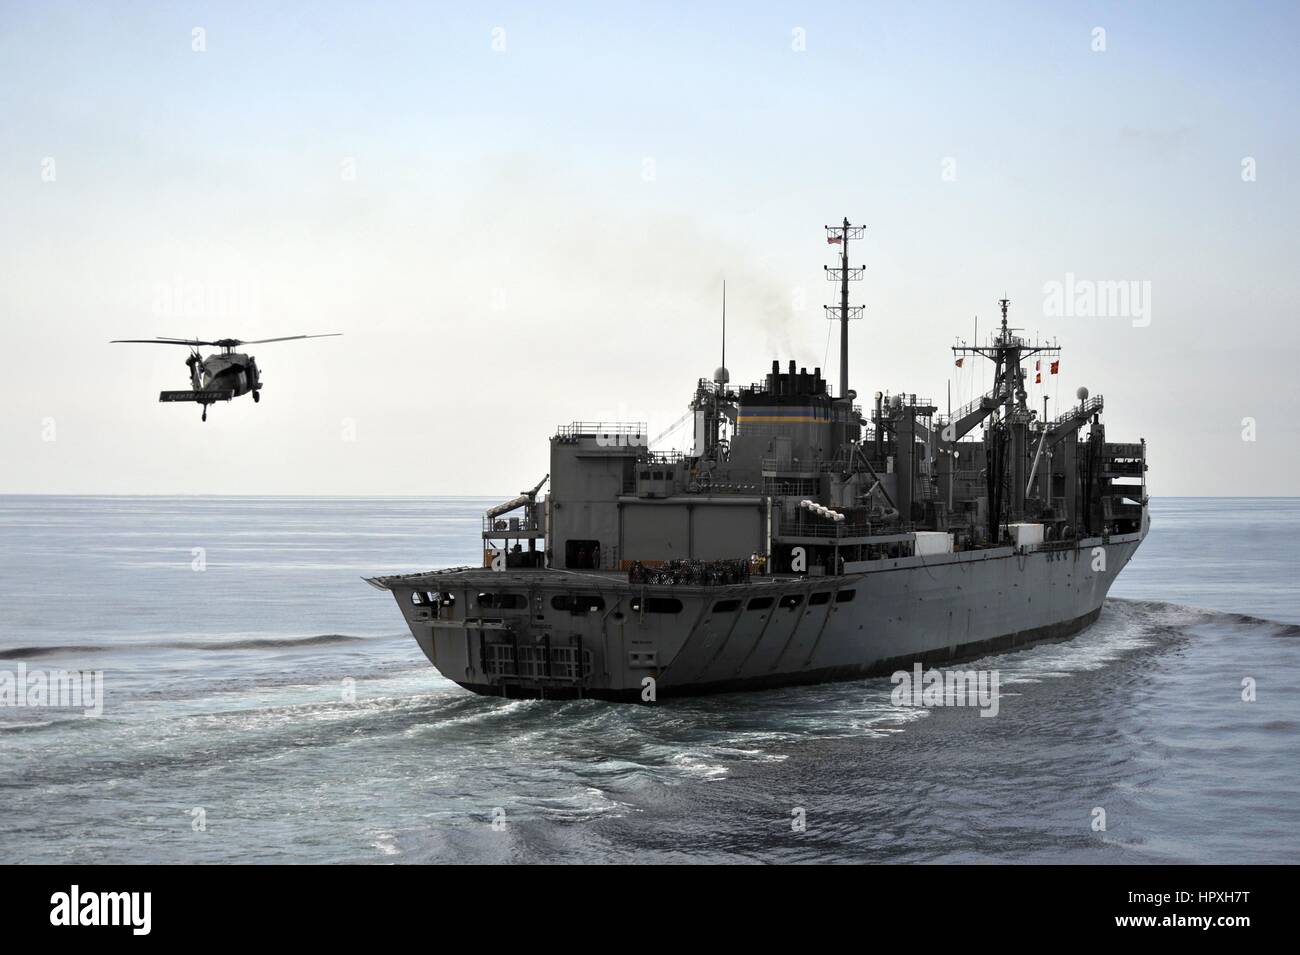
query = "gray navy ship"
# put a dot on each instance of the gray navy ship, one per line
(801, 540)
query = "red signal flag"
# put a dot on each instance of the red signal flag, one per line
(834, 239)
(1056, 367)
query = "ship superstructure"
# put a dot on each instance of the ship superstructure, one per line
(800, 540)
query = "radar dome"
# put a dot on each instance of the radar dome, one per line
(1082, 393)
(721, 375)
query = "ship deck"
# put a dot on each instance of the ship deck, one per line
(551, 577)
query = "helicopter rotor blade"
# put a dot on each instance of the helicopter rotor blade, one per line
(192, 342)
(219, 343)
(290, 338)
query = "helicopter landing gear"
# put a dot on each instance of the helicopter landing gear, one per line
(257, 396)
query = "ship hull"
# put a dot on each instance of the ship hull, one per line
(655, 642)
(743, 684)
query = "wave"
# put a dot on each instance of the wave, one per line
(251, 643)
(26, 653)
(266, 643)
(1279, 629)
(1173, 614)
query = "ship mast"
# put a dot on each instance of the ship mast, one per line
(1009, 435)
(1007, 350)
(840, 235)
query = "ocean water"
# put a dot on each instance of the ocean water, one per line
(262, 704)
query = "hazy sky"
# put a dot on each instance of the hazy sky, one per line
(521, 217)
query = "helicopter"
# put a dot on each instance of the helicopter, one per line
(218, 377)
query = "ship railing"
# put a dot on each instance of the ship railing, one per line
(906, 401)
(975, 404)
(1092, 405)
(791, 487)
(715, 388)
(707, 573)
(627, 432)
(500, 525)
(662, 457)
(792, 466)
(760, 388)
(826, 529)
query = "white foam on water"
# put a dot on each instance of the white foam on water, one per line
(386, 843)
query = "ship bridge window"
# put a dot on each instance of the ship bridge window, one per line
(645, 475)
(726, 606)
(790, 601)
(759, 603)
(578, 603)
(844, 596)
(417, 598)
(657, 605)
(448, 600)
(489, 601)
(819, 598)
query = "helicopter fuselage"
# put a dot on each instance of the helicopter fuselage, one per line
(233, 373)
(218, 378)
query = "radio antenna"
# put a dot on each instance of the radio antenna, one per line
(844, 274)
